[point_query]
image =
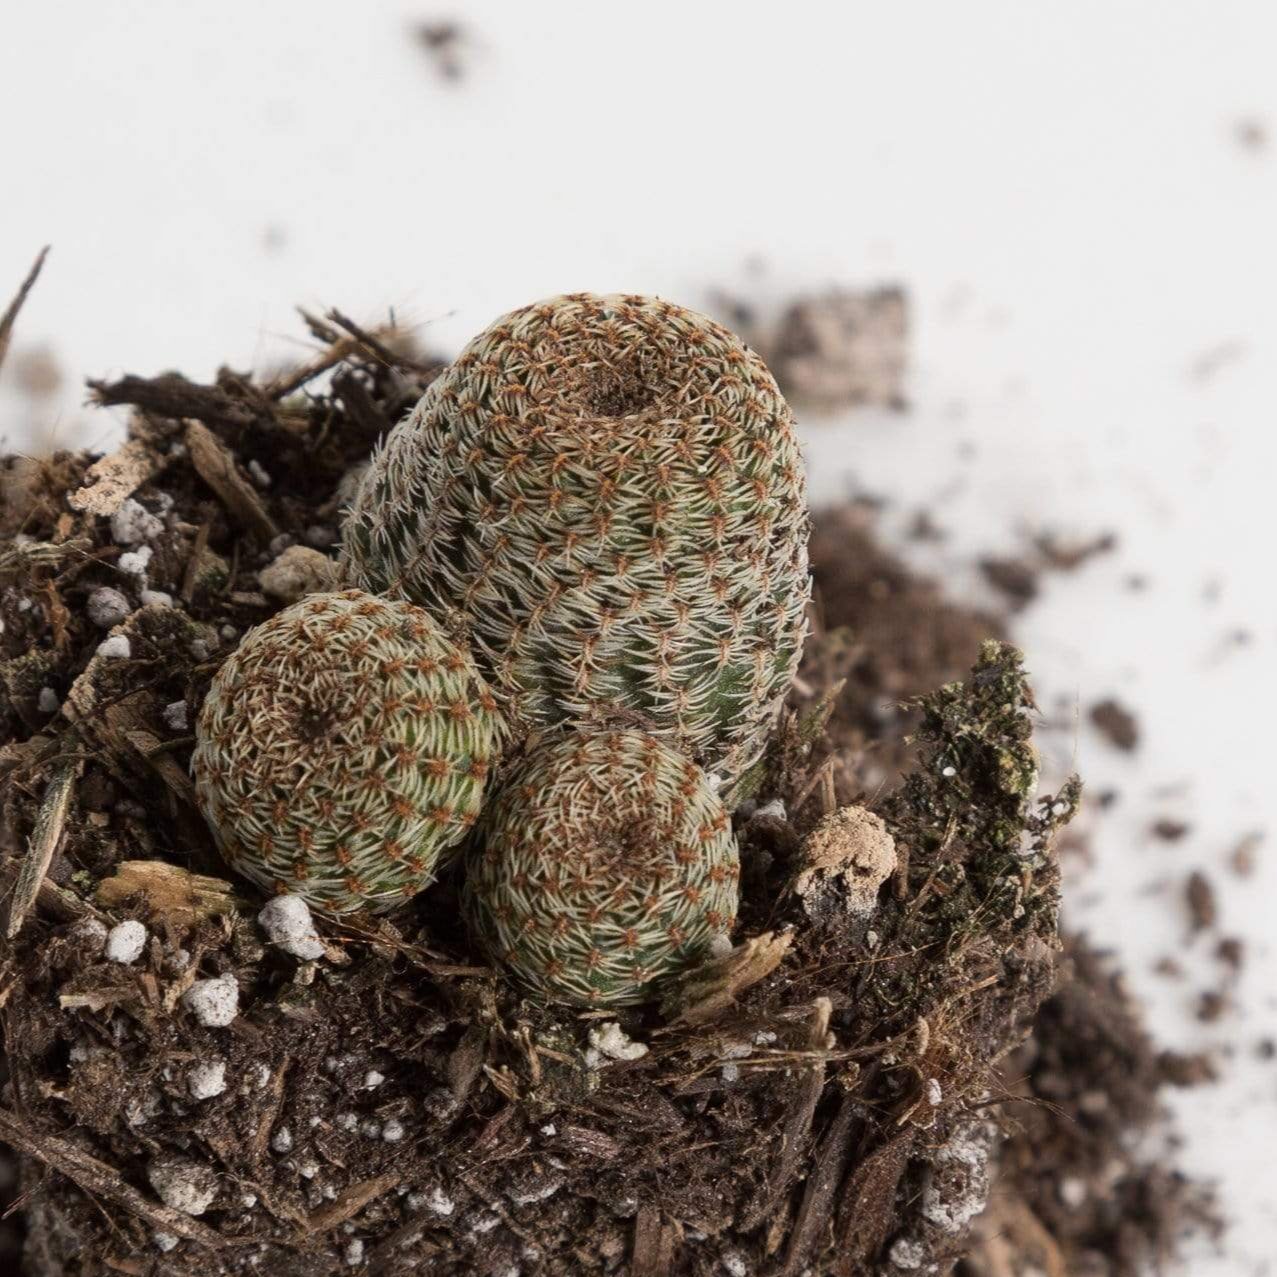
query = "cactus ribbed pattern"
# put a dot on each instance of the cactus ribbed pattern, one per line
(606, 865)
(610, 490)
(343, 746)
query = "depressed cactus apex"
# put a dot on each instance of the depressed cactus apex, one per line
(606, 865)
(342, 748)
(610, 490)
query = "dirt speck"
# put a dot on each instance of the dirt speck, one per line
(1120, 727)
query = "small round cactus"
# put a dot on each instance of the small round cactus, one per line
(610, 490)
(607, 865)
(343, 747)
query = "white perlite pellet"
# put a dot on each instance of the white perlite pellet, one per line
(214, 1003)
(125, 942)
(107, 607)
(175, 716)
(133, 523)
(47, 702)
(207, 1079)
(609, 1040)
(393, 1131)
(289, 926)
(373, 1079)
(355, 1253)
(135, 562)
(282, 1140)
(908, 1254)
(115, 648)
(183, 1185)
(436, 1201)
(165, 1241)
(156, 598)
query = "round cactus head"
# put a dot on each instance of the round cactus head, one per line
(343, 747)
(610, 489)
(606, 866)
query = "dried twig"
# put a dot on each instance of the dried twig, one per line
(823, 1179)
(270, 1113)
(9, 318)
(44, 841)
(373, 344)
(101, 1180)
(216, 466)
(349, 1203)
(171, 395)
(797, 1124)
(711, 988)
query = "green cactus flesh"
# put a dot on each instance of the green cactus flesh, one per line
(343, 747)
(605, 865)
(611, 492)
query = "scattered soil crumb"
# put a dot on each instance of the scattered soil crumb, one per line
(1064, 555)
(1251, 134)
(1200, 896)
(1014, 577)
(843, 349)
(1245, 855)
(1072, 1184)
(1118, 724)
(445, 42)
(1211, 1005)
(1186, 1070)
(1170, 830)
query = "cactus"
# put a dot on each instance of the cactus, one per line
(610, 490)
(605, 865)
(342, 748)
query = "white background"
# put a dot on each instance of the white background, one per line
(1060, 187)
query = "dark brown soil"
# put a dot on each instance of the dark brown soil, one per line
(1074, 1196)
(396, 1107)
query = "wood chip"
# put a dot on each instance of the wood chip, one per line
(44, 842)
(466, 1061)
(100, 1180)
(868, 1205)
(797, 1124)
(653, 1245)
(712, 988)
(153, 750)
(583, 1142)
(170, 892)
(823, 1179)
(349, 1203)
(215, 465)
(110, 481)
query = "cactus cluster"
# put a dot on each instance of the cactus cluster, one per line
(610, 490)
(343, 747)
(607, 864)
(606, 493)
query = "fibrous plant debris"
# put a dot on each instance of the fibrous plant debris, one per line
(818, 1100)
